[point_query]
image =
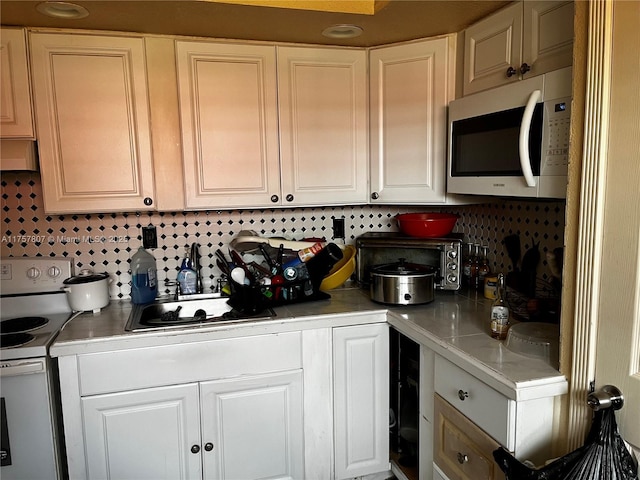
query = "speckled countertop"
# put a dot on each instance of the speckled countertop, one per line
(454, 325)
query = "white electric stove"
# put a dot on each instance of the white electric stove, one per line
(33, 309)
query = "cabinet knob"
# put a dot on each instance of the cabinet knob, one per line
(275, 198)
(195, 448)
(289, 198)
(462, 458)
(524, 68)
(208, 446)
(148, 201)
(511, 72)
(375, 196)
(462, 395)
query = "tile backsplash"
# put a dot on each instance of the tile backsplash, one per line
(106, 242)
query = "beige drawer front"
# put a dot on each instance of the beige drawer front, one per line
(484, 406)
(189, 362)
(461, 450)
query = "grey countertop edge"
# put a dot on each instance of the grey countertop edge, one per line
(104, 332)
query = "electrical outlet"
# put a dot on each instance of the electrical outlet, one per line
(338, 228)
(149, 237)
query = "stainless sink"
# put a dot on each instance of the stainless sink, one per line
(164, 314)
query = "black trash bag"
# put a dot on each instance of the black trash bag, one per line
(604, 456)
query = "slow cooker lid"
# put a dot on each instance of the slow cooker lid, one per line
(403, 268)
(86, 276)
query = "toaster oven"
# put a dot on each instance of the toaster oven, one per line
(378, 248)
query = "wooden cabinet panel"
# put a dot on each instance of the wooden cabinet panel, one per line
(93, 123)
(491, 47)
(144, 434)
(253, 427)
(361, 400)
(547, 35)
(461, 449)
(16, 117)
(228, 111)
(322, 96)
(525, 39)
(409, 98)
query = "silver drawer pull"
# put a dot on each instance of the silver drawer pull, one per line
(462, 395)
(462, 458)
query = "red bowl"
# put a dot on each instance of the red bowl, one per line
(426, 225)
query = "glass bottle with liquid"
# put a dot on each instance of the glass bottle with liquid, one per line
(500, 312)
(484, 269)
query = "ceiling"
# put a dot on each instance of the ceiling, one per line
(394, 20)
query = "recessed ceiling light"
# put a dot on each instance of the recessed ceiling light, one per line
(342, 31)
(62, 10)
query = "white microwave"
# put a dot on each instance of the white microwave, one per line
(512, 141)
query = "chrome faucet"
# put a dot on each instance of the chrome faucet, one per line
(195, 263)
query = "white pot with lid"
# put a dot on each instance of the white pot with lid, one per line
(88, 291)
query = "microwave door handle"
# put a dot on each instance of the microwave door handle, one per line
(525, 127)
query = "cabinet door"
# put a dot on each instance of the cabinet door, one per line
(409, 97)
(361, 399)
(252, 427)
(228, 112)
(322, 96)
(143, 434)
(548, 35)
(16, 119)
(90, 97)
(491, 47)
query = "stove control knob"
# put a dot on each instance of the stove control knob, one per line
(54, 272)
(33, 273)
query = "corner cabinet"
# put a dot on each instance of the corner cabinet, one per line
(92, 117)
(16, 117)
(410, 87)
(268, 126)
(525, 39)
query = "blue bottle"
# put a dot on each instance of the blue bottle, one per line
(144, 284)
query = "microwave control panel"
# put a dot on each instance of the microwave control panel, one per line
(556, 137)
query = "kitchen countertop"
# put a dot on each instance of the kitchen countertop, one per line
(454, 325)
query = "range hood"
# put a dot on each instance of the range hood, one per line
(18, 155)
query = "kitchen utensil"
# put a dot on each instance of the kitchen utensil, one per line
(88, 291)
(238, 275)
(248, 240)
(527, 281)
(341, 271)
(512, 245)
(238, 262)
(402, 283)
(426, 225)
(171, 316)
(267, 257)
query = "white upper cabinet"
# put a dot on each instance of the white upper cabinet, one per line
(410, 85)
(16, 118)
(525, 39)
(255, 138)
(322, 96)
(92, 112)
(229, 123)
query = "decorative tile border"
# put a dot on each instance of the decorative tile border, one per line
(106, 242)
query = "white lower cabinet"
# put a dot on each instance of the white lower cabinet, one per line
(143, 434)
(361, 399)
(247, 428)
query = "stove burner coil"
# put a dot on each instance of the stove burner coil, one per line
(10, 340)
(22, 324)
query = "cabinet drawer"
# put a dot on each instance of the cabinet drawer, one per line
(461, 450)
(487, 408)
(189, 362)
